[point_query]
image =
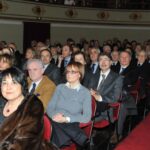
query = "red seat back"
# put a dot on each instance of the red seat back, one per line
(47, 128)
(105, 123)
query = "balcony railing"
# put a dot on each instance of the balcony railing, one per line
(109, 4)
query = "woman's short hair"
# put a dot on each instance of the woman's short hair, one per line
(18, 76)
(80, 67)
(8, 59)
(79, 53)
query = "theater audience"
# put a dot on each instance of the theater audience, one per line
(130, 61)
(69, 106)
(38, 83)
(22, 128)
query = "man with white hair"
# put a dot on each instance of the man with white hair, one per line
(39, 84)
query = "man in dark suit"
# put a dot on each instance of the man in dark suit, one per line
(128, 105)
(92, 69)
(65, 58)
(115, 61)
(143, 72)
(94, 53)
(127, 70)
(106, 87)
(50, 70)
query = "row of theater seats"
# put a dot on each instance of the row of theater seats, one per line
(88, 127)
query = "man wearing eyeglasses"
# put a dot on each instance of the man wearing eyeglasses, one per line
(106, 87)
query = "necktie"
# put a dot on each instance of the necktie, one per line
(65, 63)
(33, 88)
(93, 67)
(139, 65)
(121, 71)
(113, 64)
(102, 81)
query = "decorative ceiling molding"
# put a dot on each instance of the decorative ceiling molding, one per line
(3, 6)
(71, 13)
(135, 16)
(38, 11)
(103, 15)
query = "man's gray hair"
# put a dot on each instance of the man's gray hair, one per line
(38, 61)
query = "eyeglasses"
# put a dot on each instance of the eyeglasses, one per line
(71, 72)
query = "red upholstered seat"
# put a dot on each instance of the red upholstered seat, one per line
(47, 128)
(87, 127)
(105, 123)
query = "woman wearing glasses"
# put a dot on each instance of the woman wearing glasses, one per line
(69, 106)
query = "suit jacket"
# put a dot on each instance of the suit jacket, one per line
(129, 75)
(23, 129)
(116, 67)
(111, 89)
(143, 71)
(53, 73)
(45, 90)
(89, 75)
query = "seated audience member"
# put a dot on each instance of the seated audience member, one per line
(127, 70)
(142, 70)
(115, 60)
(107, 49)
(86, 50)
(80, 57)
(8, 50)
(38, 83)
(128, 105)
(39, 47)
(93, 68)
(64, 60)
(16, 53)
(29, 54)
(75, 48)
(106, 87)
(22, 128)
(33, 44)
(6, 61)
(55, 55)
(94, 53)
(50, 70)
(69, 106)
